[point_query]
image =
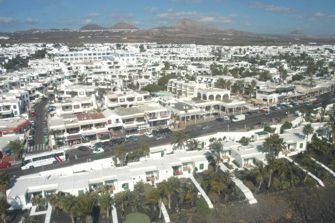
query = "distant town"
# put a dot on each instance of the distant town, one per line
(166, 132)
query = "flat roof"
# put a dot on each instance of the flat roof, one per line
(81, 175)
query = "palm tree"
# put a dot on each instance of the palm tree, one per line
(3, 208)
(282, 72)
(260, 172)
(86, 202)
(193, 144)
(69, 205)
(307, 130)
(120, 153)
(331, 122)
(167, 188)
(179, 139)
(273, 145)
(105, 201)
(121, 199)
(216, 148)
(4, 181)
(152, 198)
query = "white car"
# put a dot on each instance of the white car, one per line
(226, 118)
(97, 150)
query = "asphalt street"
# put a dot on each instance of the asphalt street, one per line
(40, 125)
(257, 119)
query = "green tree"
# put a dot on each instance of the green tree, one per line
(121, 199)
(168, 188)
(282, 72)
(142, 49)
(105, 200)
(3, 208)
(273, 145)
(39, 201)
(216, 148)
(69, 205)
(152, 198)
(17, 148)
(193, 144)
(286, 125)
(331, 122)
(307, 130)
(166, 65)
(310, 71)
(152, 88)
(4, 181)
(269, 129)
(85, 203)
(179, 139)
(244, 141)
(119, 153)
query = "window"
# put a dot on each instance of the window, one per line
(201, 167)
(301, 145)
(125, 186)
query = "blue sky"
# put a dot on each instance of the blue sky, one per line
(315, 17)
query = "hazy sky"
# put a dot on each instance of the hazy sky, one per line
(266, 16)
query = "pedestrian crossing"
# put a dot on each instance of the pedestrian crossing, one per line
(37, 148)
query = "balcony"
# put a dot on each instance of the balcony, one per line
(177, 170)
(73, 131)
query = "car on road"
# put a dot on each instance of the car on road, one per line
(160, 137)
(132, 139)
(264, 110)
(83, 148)
(118, 140)
(97, 150)
(220, 119)
(238, 118)
(274, 108)
(206, 127)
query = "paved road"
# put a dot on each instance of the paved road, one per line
(40, 124)
(77, 156)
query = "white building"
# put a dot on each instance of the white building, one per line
(89, 176)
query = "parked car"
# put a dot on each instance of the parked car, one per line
(132, 139)
(226, 118)
(118, 140)
(205, 127)
(83, 148)
(160, 137)
(97, 150)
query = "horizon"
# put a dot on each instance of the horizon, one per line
(268, 17)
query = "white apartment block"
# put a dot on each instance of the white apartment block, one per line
(90, 176)
(127, 99)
